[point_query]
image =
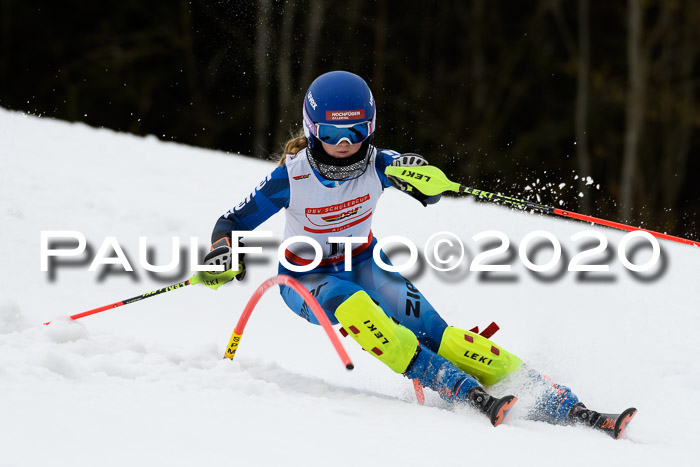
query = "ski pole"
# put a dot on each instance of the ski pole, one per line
(310, 301)
(431, 181)
(192, 280)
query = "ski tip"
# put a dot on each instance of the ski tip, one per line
(500, 410)
(622, 421)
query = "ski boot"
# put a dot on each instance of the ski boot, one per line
(612, 424)
(494, 408)
(453, 385)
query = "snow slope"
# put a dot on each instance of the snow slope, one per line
(146, 383)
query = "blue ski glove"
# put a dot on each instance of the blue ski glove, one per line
(411, 160)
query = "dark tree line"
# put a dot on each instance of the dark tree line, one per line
(497, 93)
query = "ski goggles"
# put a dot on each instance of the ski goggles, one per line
(333, 134)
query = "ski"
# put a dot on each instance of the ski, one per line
(500, 408)
(614, 424)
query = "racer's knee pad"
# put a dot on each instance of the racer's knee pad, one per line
(477, 356)
(366, 322)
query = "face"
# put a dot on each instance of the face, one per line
(341, 150)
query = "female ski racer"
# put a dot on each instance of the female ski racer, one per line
(329, 181)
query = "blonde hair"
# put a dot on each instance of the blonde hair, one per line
(293, 146)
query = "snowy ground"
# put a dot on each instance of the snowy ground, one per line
(146, 383)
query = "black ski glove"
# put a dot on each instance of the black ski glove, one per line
(220, 254)
(411, 160)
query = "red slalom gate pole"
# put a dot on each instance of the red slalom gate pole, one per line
(192, 280)
(308, 298)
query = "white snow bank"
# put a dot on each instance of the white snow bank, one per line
(146, 384)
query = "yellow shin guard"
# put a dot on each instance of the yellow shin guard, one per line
(477, 356)
(378, 334)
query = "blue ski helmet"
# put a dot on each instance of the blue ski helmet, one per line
(339, 106)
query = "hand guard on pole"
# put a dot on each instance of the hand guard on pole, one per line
(411, 160)
(220, 255)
